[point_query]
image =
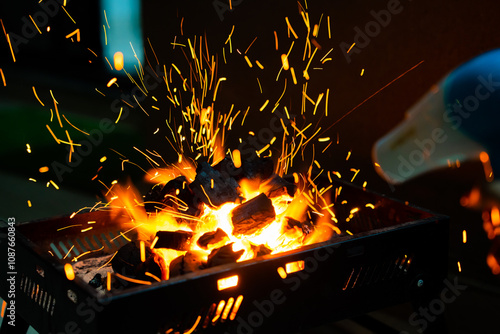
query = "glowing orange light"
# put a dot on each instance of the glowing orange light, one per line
(54, 184)
(484, 157)
(351, 47)
(143, 251)
(488, 170)
(43, 169)
(155, 240)
(229, 304)
(459, 267)
(4, 306)
(3, 77)
(111, 82)
(495, 216)
(108, 281)
(293, 267)
(264, 105)
(284, 61)
(282, 272)
(76, 32)
(315, 30)
(329, 33)
(220, 308)
(10, 45)
(68, 270)
(118, 61)
(493, 264)
(464, 236)
(248, 61)
(236, 307)
(294, 78)
(227, 282)
(237, 158)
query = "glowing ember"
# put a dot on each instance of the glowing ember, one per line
(68, 269)
(118, 61)
(268, 215)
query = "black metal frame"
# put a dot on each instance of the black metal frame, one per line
(398, 253)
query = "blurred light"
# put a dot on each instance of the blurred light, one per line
(121, 31)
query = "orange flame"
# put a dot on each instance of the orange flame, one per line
(277, 236)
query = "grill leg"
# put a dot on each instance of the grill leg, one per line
(21, 326)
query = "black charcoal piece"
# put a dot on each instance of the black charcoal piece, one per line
(223, 255)
(96, 281)
(253, 215)
(213, 187)
(175, 195)
(188, 263)
(127, 262)
(212, 238)
(179, 240)
(277, 186)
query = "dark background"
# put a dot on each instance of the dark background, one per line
(443, 34)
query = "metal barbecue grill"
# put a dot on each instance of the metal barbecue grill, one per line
(397, 253)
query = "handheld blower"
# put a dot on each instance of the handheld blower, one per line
(457, 120)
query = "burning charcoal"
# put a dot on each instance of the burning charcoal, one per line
(261, 168)
(261, 250)
(226, 167)
(277, 186)
(220, 188)
(96, 281)
(223, 255)
(127, 262)
(191, 261)
(175, 268)
(253, 168)
(212, 238)
(179, 240)
(253, 215)
(176, 195)
(306, 227)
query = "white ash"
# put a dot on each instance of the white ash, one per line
(88, 268)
